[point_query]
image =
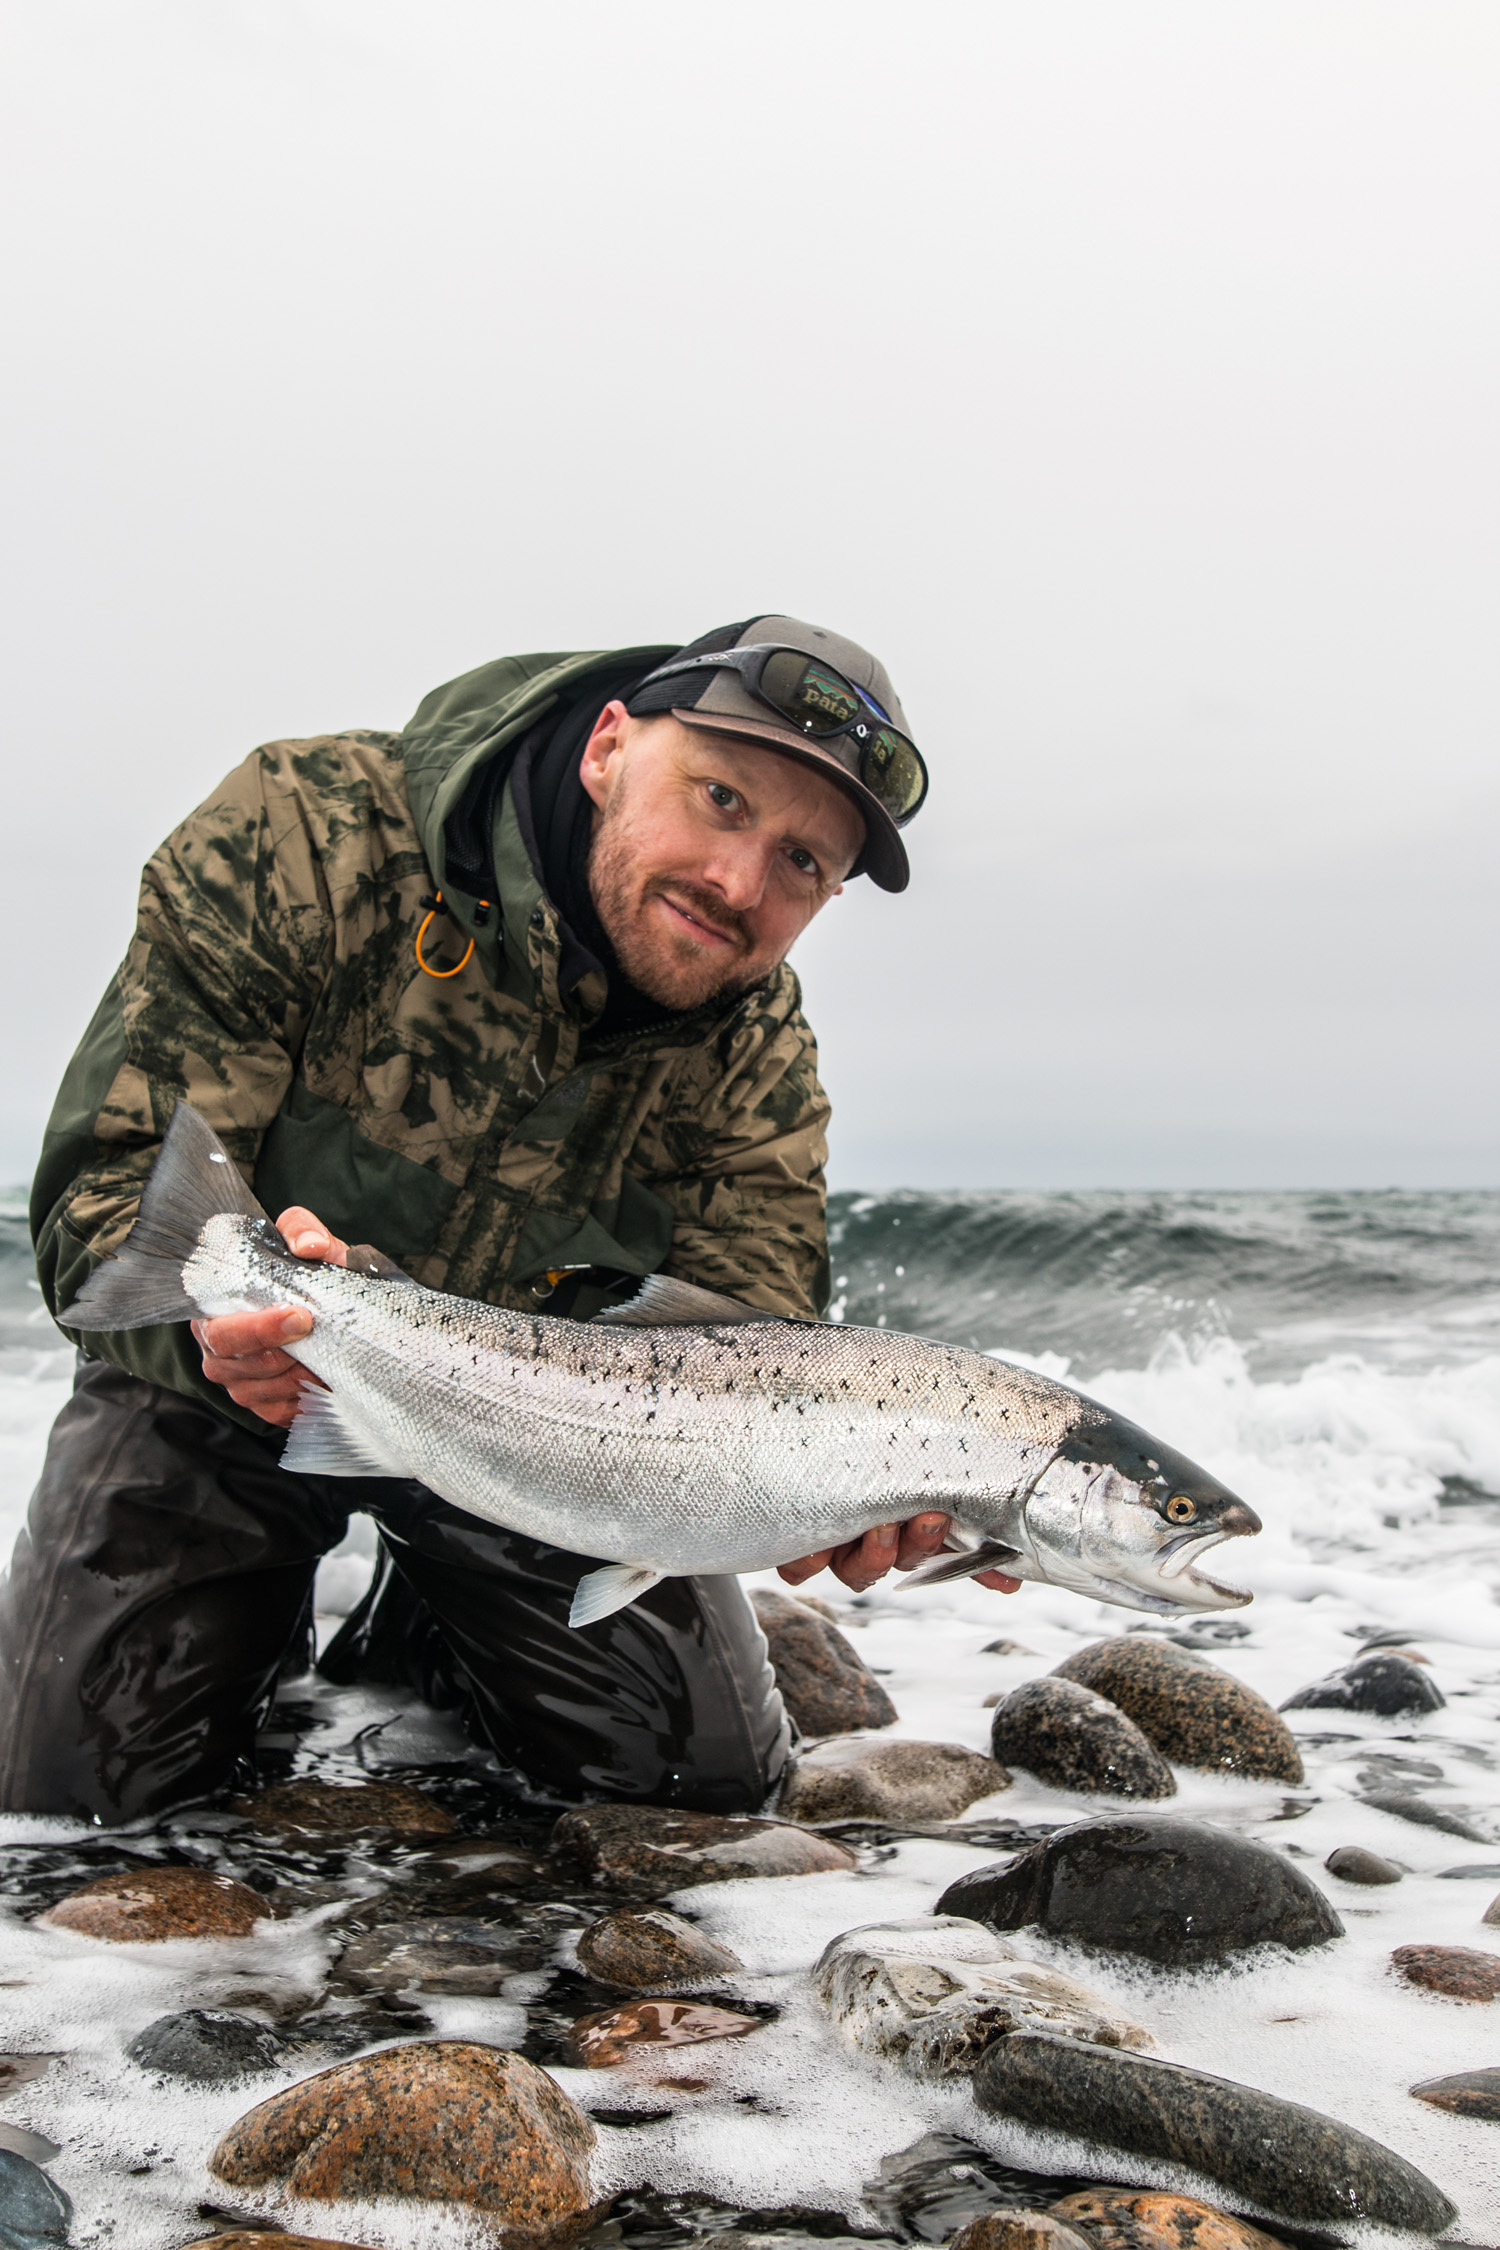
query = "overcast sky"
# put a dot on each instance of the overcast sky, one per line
(1122, 371)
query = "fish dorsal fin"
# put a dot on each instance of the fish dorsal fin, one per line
(665, 1303)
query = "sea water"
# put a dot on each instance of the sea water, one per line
(1336, 1360)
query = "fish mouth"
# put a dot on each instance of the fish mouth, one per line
(1182, 1557)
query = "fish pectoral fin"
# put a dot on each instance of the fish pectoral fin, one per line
(600, 1593)
(662, 1302)
(990, 1554)
(323, 1443)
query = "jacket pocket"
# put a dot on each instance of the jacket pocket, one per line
(315, 1154)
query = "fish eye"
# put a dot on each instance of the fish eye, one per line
(1180, 1509)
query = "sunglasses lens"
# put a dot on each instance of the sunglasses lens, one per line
(813, 697)
(893, 773)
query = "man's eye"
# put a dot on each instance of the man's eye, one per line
(804, 860)
(722, 796)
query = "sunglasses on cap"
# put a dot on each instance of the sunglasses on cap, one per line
(825, 706)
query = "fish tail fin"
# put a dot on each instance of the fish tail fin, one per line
(601, 1592)
(193, 1180)
(990, 1554)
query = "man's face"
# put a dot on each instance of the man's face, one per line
(710, 855)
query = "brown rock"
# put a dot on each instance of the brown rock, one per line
(1071, 1738)
(1457, 1971)
(1196, 1714)
(1353, 1864)
(860, 1780)
(640, 1951)
(441, 1955)
(1468, 2093)
(317, 1808)
(442, 2121)
(825, 1686)
(148, 1905)
(1019, 2230)
(1126, 2219)
(650, 1849)
(1491, 1913)
(599, 2042)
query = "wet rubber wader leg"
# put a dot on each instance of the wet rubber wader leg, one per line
(669, 1702)
(162, 1576)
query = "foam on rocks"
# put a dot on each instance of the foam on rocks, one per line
(851, 1778)
(1195, 1713)
(1177, 1892)
(932, 1994)
(1071, 1738)
(825, 1685)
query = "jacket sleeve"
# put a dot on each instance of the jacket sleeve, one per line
(232, 945)
(747, 1185)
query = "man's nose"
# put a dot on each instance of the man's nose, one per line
(739, 870)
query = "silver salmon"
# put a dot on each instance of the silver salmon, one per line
(682, 1434)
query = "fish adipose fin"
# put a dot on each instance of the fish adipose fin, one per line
(323, 1443)
(989, 1555)
(602, 1592)
(194, 1179)
(665, 1303)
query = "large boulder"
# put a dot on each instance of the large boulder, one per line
(646, 1951)
(151, 1904)
(825, 1685)
(1071, 1738)
(651, 1850)
(1290, 2162)
(1196, 1714)
(1388, 1685)
(1175, 1891)
(441, 2121)
(932, 1994)
(851, 1778)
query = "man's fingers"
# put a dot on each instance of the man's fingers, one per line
(237, 1335)
(305, 1233)
(807, 1566)
(247, 1367)
(865, 1560)
(921, 1538)
(997, 1580)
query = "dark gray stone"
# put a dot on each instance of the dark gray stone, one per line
(209, 2045)
(1353, 1864)
(1468, 2093)
(1404, 1804)
(439, 1955)
(1174, 1891)
(34, 2212)
(1387, 1686)
(1291, 2162)
(826, 1687)
(1071, 1738)
(651, 1849)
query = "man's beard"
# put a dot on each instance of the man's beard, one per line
(674, 972)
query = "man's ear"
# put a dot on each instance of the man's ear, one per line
(599, 767)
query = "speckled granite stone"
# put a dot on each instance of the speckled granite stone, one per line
(1458, 1972)
(1071, 1738)
(651, 1849)
(854, 1779)
(315, 1808)
(642, 1952)
(1195, 1714)
(824, 1683)
(148, 1905)
(1127, 2219)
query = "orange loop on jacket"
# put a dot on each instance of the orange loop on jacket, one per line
(422, 965)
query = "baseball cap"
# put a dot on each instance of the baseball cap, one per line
(717, 698)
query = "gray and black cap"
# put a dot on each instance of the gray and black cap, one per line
(716, 697)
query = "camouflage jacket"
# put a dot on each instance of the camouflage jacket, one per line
(273, 982)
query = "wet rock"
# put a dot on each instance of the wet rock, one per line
(1353, 1864)
(825, 1686)
(601, 2041)
(1174, 1891)
(1292, 2162)
(925, 2192)
(255, 2238)
(1491, 1913)
(148, 1905)
(1071, 1738)
(1387, 1685)
(1019, 2230)
(854, 1779)
(1126, 2219)
(20, 2070)
(1006, 1648)
(1459, 1972)
(1195, 1714)
(650, 1849)
(932, 1994)
(1468, 2093)
(34, 2212)
(446, 2121)
(1405, 1804)
(639, 1952)
(435, 1956)
(326, 1808)
(209, 2046)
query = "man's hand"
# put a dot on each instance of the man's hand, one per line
(890, 1545)
(243, 1350)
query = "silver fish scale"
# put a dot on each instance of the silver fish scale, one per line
(687, 1449)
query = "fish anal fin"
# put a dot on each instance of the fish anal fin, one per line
(600, 1593)
(323, 1443)
(990, 1554)
(663, 1302)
